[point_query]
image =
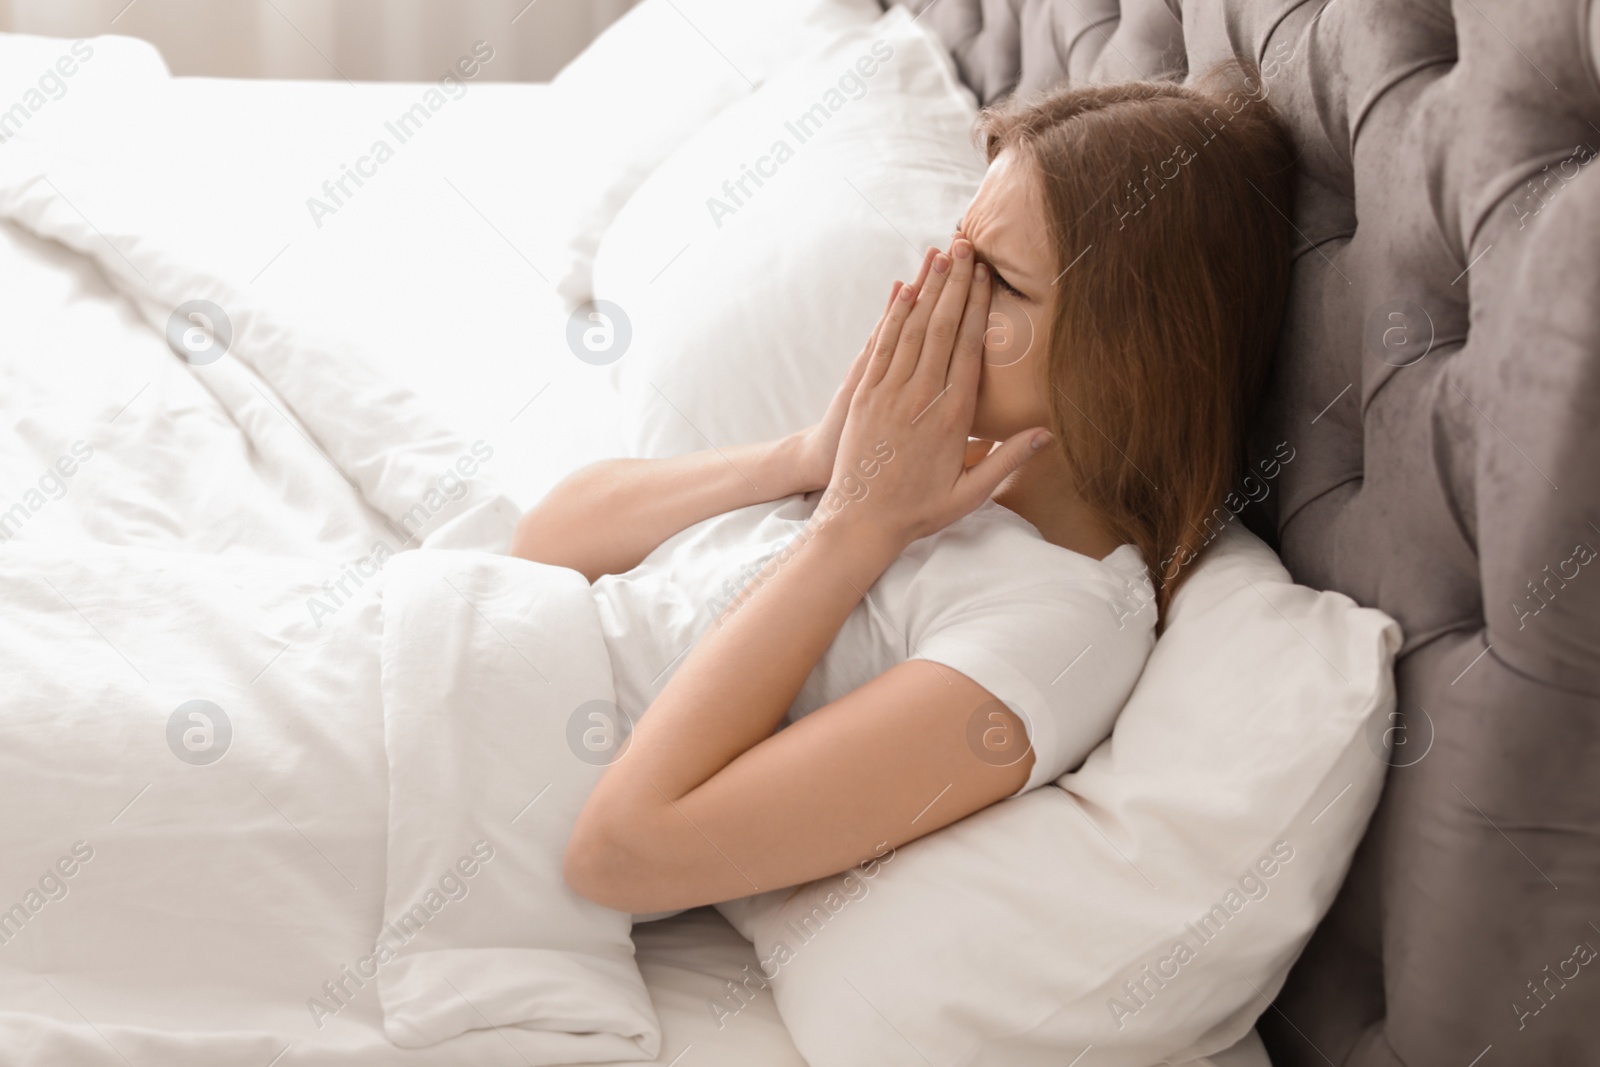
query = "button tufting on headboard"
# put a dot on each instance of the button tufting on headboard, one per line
(1438, 377)
(1001, 46)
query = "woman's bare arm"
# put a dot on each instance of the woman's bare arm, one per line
(606, 517)
(707, 803)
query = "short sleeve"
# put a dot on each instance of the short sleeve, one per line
(1063, 652)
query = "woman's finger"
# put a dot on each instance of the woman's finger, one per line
(979, 481)
(859, 367)
(915, 287)
(909, 350)
(945, 320)
(922, 271)
(888, 305)
(872, 338)
(900, 309)
(966, 362)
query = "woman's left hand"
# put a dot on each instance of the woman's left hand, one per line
(812, 450)
(900, 472)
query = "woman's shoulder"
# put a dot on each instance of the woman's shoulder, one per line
(993, 553)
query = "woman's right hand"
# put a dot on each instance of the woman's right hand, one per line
(813, 449)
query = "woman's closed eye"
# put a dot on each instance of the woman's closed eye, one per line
(1004, 285)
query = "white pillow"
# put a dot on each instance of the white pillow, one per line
(746, 309)
(1240, 776)
(651, 79)
(53, 87)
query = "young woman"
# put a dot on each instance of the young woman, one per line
(938, 595)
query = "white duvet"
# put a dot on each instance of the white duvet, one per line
(201, 780)
(490, 665)
(254, 731)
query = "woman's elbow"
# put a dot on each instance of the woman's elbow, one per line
(542, 531)
(525, 537)
(601, 866)
(539, 537)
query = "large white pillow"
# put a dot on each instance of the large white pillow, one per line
(645, 84)
(746, 307)
(1221, 814)
(49, 85)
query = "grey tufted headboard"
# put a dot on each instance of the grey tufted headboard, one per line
(1439, 378)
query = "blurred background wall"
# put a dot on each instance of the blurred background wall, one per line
(358, 40)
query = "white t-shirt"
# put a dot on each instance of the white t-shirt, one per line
(1058, 636)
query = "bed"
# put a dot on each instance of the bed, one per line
(437, 277)
(384, 277)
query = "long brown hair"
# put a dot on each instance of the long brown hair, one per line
(1169, 211)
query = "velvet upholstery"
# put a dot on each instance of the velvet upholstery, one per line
(1438, 378)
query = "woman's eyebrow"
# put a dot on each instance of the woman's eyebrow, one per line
(993, 267)
(978, 252)
(975, 249)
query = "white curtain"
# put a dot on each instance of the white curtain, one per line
(384, 40)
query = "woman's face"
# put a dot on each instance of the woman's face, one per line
(1006, 224)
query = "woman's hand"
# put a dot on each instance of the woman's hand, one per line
(813, 449)
(900, 468)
